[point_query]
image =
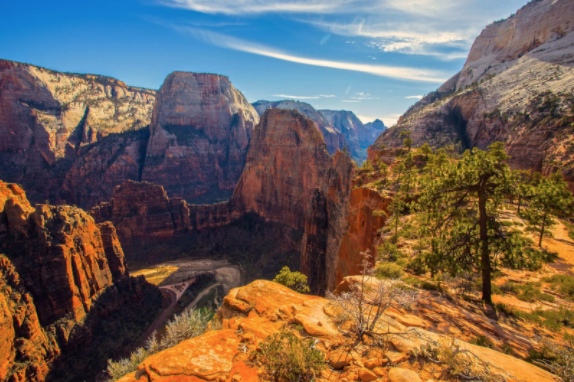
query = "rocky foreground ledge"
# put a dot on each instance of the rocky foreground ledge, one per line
(252, 313)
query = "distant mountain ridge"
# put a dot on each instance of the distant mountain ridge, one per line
(341, 129)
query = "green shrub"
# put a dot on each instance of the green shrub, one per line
(294, 280)
(483, 341)
(563, 284)
(417, 266)
(189, 324)
(531, 292)
(388, 270)
(285, 356)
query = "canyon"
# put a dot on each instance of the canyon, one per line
(290, 185)
(515, 87)
(61, 272)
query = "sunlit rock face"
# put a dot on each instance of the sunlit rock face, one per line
(55, 264)
(59, 132)
(200, 133)
(251, 314)
(515, 88)
(334, 139)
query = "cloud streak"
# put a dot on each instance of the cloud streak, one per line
(240, 7)
(415, 97)
(396, 72)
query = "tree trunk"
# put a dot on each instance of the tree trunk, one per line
(542, 231)
(485, 256)
(519, 200)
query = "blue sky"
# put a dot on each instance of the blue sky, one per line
(374, 57)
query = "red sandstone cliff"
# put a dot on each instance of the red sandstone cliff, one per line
(289, 178)
(515, 87)
(50, 122)
(334, 139)
(200, 133)
(286, 161)
(57, 263)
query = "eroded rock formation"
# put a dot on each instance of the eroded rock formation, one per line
(334, 139)
(200, 133)
(515, 87)
(252, 313)
(60, 273)
(49, 122)
(357, 135)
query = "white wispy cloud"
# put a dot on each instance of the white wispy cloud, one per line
(363, 96)
(328, 95)
(415, 97)
(350, 101)
(239, 7)
(396, 72)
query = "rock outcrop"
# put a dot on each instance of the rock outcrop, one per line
(200, 133)
(287, 160)
(334, 139)
(72, 138)
(252, 313)
(26, 350)
(60, 274)
(289, 179)
(365, 220)
(515, 87)
(48, 120)
(60, 251)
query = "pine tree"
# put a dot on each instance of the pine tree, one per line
(407, 141)
(426, 150)
(550, 197)
(463, 205)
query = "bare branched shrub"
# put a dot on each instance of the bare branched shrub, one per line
(560, 360)
(189, 324)
(366, 301)
(462, 363)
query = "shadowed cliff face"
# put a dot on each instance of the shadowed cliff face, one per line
(71, 138)
(200, 132)
(287, 160)
(516, 87)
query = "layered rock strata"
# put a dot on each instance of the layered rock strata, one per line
(515, 87)
(58, 263)
(200, 133)
(289, 179)
(71, 138)
(50, 120)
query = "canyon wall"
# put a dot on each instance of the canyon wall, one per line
(289, 179)
(56, 266)
(72, 138)
(516, 87)
(49, 122)
(200, 133)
